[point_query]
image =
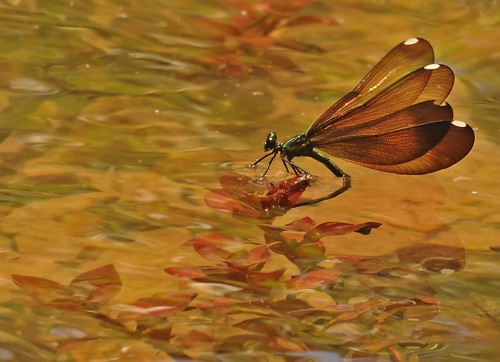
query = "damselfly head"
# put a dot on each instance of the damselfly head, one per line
(271, 142)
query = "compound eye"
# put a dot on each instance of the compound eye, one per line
(270, 143)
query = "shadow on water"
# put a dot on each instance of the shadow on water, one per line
(128, 233)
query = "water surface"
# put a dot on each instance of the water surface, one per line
(118, 117)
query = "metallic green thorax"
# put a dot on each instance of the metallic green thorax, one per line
(297, 146)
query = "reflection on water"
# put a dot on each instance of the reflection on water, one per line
(124, 238)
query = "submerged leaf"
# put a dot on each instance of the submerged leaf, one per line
(258, 255)
(186, 272)
(103, 283)
(265, 279)
(314, 250)
(89, 290)
(219, 302)
(314, 279)
(43, 290)
(434, 257)
(157, 306)
(214, 238)
(211, 252)
(304, 224)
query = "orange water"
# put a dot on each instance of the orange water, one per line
(118, 116)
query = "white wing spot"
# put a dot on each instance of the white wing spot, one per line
(411, 41)
(447, 271)
(432, 66)
(459, 124)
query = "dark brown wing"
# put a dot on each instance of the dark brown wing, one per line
(392, 139)
(415, 150)
(406, 57)
(384, 112)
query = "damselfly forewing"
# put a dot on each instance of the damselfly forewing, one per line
(395, 120)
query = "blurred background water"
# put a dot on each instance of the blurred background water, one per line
(117, 116)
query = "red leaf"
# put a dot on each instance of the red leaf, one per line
(214, 238)
(238, 259)
(314, 279)
(285, 195)
(233, 182)
(158, 306)
(194, 339)
(259, 254)
(211, 252)
(351, 259)
(265, 279)
(186, 272)
(162, 334)
(256, 40)
(102, 283)
(264, 325)
(237, 196)
(207, 273)
(339, 228)
(354, 311)
(205, 246)
(222, 203)
(87, 291)
(304, 224)
(280, 343)
(42, 290)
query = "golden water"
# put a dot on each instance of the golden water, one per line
(116, 116)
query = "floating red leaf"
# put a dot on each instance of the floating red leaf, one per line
(284, 196)
(242, 196)
(340, 228)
